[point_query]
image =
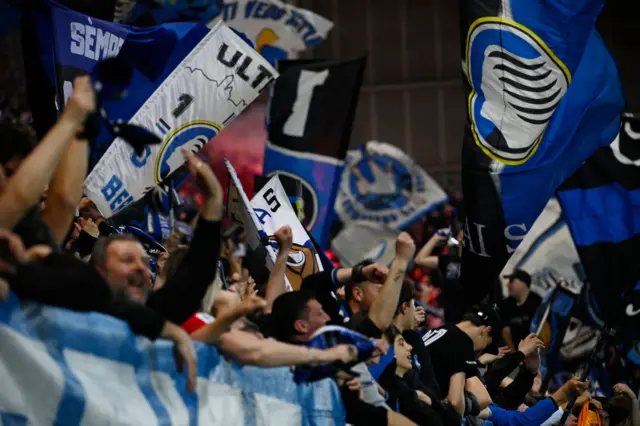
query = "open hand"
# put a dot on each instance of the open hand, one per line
(205, 178)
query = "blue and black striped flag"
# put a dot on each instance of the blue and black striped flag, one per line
(543, 95)
(601, 204)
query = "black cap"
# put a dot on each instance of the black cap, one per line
(521, 275)
(488, 316)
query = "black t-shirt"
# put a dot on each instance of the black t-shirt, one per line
(422, 363)
(450, 267)
(518, 318)
(451, 352)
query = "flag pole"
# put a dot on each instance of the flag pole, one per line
(604, 337)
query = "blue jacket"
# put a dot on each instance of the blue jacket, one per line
(532, 416)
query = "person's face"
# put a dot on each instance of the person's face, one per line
(402, 352)
(127, 269)
(316, 317)
(408, 313)
(365, 294)
(516, 287)
(483, 340)
(604, 418)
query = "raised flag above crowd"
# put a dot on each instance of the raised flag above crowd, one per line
(309, 119)
(543, 95)
(601, 204)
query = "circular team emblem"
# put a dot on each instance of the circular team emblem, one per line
(192, 135)
(517, 82)
(309, 199)
(382, 184)
(626, 146)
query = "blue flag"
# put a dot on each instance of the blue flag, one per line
(543, 95)
(601, 203)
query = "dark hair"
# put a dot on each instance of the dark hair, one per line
(15, 140)
(407, 294)
(99, 253)
(618, 409)
(391, 333)
(287, 309)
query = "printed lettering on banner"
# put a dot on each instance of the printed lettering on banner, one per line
(219, 78)
(273, 209)
(274, 25)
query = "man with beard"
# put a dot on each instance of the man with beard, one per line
(123, 262)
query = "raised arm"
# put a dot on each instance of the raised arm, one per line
(251, 350)
(182, 294)
(27, 185)
(277, 284)
(424, 257)
(384, 307)
(65, 190)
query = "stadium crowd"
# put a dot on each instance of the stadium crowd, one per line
(480, 367)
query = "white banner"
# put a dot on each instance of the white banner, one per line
(272, 24)
(382, 185)
(273, 209)
(363, 240)
(60, 367)
(219, 78)
(547, 253)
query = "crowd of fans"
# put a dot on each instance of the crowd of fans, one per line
(480, 367)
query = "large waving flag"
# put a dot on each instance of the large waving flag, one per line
(382, 185)
(310, 114)
(543, 95)
(601, 202)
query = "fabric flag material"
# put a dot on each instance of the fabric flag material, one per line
(219, 77)
(601, 202)
(239, 210)
(311, 111)
(364, 240)
(550, 323)
(275, 28)
(543, 95)
(382, 185)
(90, 369)
(154, 12)
(547, 253)
(273, 210)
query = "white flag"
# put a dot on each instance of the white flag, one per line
(218, 79)
(273, 210)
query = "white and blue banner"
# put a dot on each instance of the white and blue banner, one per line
(188, 82)
(276, 29)
(273, 209)
(60, 367)
(218, 79)
(382, 185)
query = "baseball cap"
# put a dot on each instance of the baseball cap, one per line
(521, 275)
(489, 316)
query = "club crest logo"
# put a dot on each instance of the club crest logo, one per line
(626, 146)
(381, 184)
(192, 135)
(301, 263)
(517, 83)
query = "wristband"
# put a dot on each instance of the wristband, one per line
(356, 271)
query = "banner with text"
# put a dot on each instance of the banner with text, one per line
(60, 367)
(212, 85)
(273, 209)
